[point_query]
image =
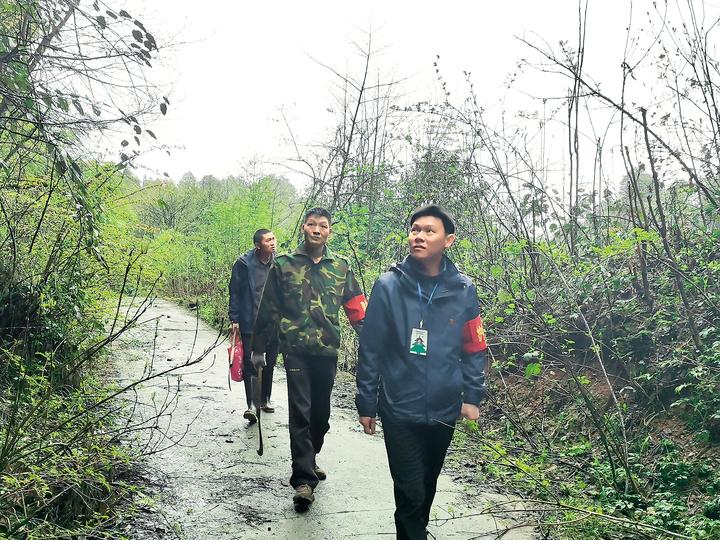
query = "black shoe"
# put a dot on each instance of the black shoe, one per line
(268, 407)
(250, 416)
(303, 498)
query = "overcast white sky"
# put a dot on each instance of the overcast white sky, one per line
(238, 63)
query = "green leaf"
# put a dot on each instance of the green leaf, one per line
(533, 370)
(496, 271)
(582, 379)
(504, 297)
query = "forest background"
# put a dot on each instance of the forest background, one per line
(598, 279)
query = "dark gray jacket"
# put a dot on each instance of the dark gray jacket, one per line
(421, 389)
(244, 295)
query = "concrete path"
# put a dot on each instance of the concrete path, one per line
(209, 482)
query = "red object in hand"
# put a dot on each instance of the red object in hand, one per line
(235, 357)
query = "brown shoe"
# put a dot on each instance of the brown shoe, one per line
(303, 498)
(322, 475)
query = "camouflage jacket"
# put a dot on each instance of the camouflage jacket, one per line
(303, 298)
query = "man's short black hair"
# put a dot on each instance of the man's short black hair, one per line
(318, 211)
(258, 236)
(437, 211)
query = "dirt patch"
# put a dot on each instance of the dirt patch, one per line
(343, 396)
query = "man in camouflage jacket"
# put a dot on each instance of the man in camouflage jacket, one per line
(303, 295)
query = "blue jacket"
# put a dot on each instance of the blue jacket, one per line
(406, 387)
(244, 297)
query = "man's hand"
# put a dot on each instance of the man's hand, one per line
(235, 326)
(368, 424)
(471, 412)
(258, 360)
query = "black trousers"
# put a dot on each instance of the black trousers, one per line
(249, 371)
(416, 453)
(310, 381)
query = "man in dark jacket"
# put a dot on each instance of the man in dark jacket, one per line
(304, 292)
(423, 338)
(247, 283)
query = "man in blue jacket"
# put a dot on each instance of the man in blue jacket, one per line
(424, 340)
(247, 283)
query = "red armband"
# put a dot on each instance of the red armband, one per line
(474, 336)
(355, 309)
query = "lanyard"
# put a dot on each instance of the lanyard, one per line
(429, 301)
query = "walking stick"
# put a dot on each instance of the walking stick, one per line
(258, 408)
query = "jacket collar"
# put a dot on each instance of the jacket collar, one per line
(257, 257)
(410, 273)
(251, 256)
(326, 255)
(247, 256)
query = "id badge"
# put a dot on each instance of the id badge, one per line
(419, 341)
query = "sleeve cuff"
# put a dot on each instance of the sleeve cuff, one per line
(474, 396)
(365, 408)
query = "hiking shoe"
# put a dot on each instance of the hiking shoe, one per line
(268, 407)
(303, 498)
(250, 416)
(322, 475)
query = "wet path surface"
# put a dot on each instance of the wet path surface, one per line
(208, 481)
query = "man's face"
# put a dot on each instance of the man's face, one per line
(266, 246)
(427, 239)
(316, 230)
